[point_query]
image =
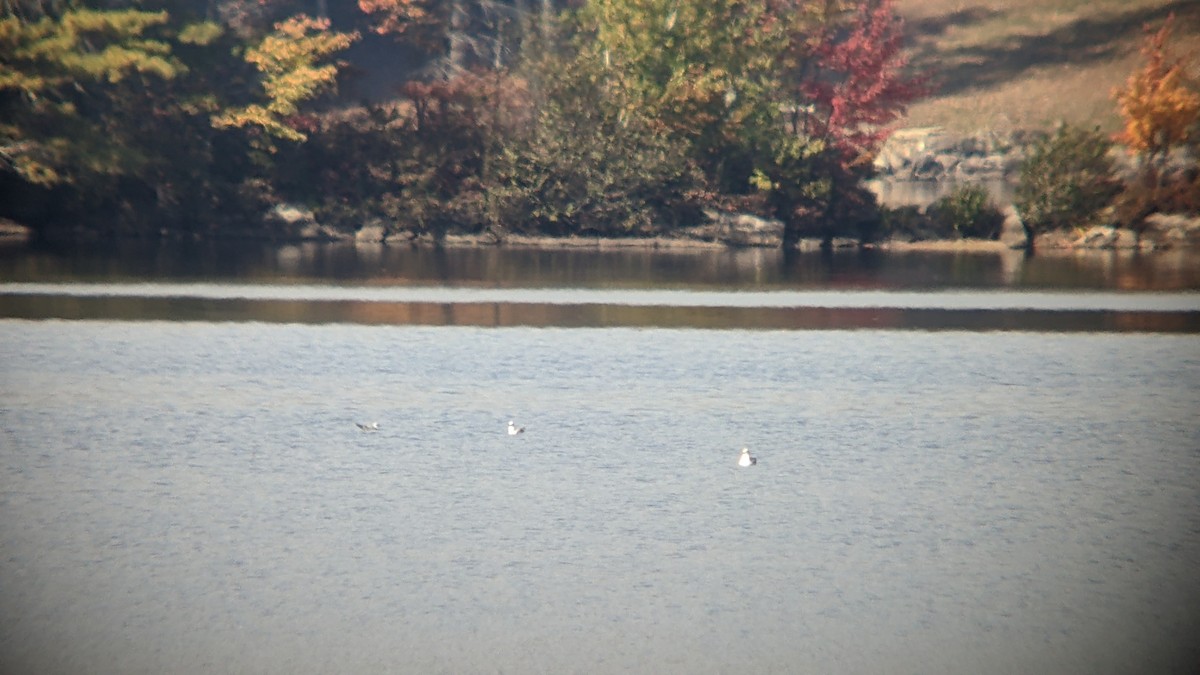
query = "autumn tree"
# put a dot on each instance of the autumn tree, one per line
(858, 84)
(58, 78)
(288, 59)
(846, 82)
(1160, 109)
(586, 162)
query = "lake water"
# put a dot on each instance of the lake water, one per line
(184, 489)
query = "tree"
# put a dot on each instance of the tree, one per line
(458, 34)
(1065, 181)
(845, 82)
(288, 60)
(1160, 111)
(405, 17)
(57, 81)
(584, 163)
(701, 70)
(858, 84)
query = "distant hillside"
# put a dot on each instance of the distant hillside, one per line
(1026, 64)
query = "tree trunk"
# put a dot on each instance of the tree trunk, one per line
(1030, 235)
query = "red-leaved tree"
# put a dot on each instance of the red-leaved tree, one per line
(858, 85)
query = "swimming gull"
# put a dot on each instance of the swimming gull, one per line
(746, 459)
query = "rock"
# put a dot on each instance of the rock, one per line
(14, 231)
(926, 167)
(948, 162)
(373, 232)
(295, 222)
(1169, 230)
(738, 229)
(1098, 236)
(291, 215)
(932, 154)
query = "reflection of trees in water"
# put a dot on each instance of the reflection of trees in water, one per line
(532, 314)
(611, 269)
(1117, 270)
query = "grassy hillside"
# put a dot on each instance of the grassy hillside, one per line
(1026, 64)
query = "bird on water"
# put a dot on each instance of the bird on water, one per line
(746, 459)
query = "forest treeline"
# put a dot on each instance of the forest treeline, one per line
(604, 117)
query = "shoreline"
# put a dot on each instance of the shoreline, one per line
(1168, 233)
(686, 244)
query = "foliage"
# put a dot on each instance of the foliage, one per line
(458, 34)
(424, 165)
(843, 80)
(287, 59)
(358, 159)
(700, 70)
(858, 84)
(969, 212)
(912, 223)
(1161, 112)
(57, 79)
(622, 119)
(400, 16)
(586, 165)
(1066, 180)
(1159, 109)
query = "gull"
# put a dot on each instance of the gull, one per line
(367, 426)
(513, 429)
(746, 459)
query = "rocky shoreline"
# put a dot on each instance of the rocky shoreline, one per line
(930, 159)
(931, 154)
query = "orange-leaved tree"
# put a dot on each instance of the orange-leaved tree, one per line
(1159, 107)
(401, 16)
(1160, 110)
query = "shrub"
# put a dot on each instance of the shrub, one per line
(969, 212)
(1149, 193)
(584, 166)
(1066, 180)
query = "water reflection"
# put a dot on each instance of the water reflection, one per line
(599, 287)
(511, 314)
(506, 267)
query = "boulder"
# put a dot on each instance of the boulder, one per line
(373, 232)
(13, 231)
(1169, 230)
(290, 221)
(738, 229)
(1098, 236)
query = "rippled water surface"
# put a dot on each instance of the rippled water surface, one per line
(193, 497)
(968, 463)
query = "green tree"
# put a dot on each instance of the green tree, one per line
(702, 70)
(584, 162)
(969, 212)
(1066, 181)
